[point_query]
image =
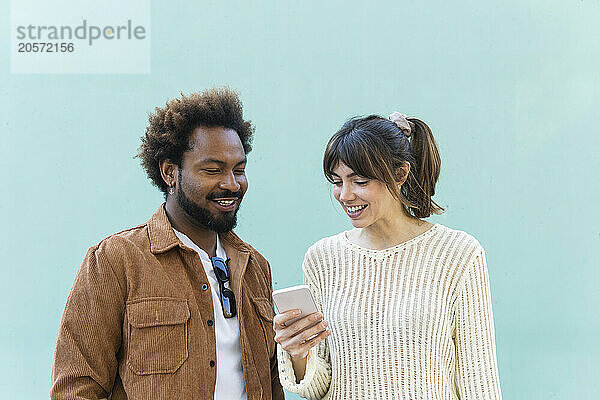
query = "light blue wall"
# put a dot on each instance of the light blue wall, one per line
(511, 90)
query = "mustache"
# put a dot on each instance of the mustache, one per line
(225, 193)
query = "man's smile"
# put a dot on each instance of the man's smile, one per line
(225, 204)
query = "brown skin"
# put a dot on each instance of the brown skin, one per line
(215, 163)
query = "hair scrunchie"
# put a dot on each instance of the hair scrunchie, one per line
(401, 122)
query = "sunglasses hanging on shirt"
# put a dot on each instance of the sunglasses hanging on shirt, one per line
(226, 295)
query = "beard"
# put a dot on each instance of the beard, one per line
(203, 217)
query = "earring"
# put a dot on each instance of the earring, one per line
(171, 189)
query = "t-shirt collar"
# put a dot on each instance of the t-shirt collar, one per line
(203, 254)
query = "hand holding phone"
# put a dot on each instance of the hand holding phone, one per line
(295, 297)
(298, 326)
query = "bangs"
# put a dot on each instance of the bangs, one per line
(358, 150)
(375, 148)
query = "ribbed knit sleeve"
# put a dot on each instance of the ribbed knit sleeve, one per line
(317, 377)
(413, 321)
(477, 372)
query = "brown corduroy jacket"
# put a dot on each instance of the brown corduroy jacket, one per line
(135, 325)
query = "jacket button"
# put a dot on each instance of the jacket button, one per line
(209, 322)
(212, 363)
(204, 286)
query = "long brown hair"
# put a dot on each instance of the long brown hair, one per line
(375, 148)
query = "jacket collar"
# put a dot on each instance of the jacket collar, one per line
(163, 239)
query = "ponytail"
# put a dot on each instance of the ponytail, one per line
(419, 187)
(376, 148)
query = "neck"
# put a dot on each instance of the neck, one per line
(388, 232)
(181, 221)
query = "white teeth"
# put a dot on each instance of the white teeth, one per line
(353, 209)
(225, 203)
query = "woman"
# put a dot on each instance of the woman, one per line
(405, 303)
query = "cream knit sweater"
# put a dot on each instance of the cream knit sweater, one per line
(413, 321)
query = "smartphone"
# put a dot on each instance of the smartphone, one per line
(295, 297)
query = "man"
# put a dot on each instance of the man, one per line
(178, 307)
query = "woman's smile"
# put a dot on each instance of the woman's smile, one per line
(354, 211)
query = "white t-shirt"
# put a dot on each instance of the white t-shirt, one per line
(230, 376)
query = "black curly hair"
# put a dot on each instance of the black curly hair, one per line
(168, 133)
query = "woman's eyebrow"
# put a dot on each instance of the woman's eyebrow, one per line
(351, 175)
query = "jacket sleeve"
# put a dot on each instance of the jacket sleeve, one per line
(476, 367)
(276, 389)
(317, 377)
(90, 332)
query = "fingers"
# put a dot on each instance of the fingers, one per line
(300, 348)
(279, 321)
(303, 334)
(307, 334)
(315, 340)
(304, 323)
(285, 327)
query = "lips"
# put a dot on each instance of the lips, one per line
(355, 211)
(225, 204)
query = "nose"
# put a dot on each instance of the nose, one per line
(229, 183)
(346, 193)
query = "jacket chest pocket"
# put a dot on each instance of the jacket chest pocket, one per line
(264, 309)
(158, 334)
